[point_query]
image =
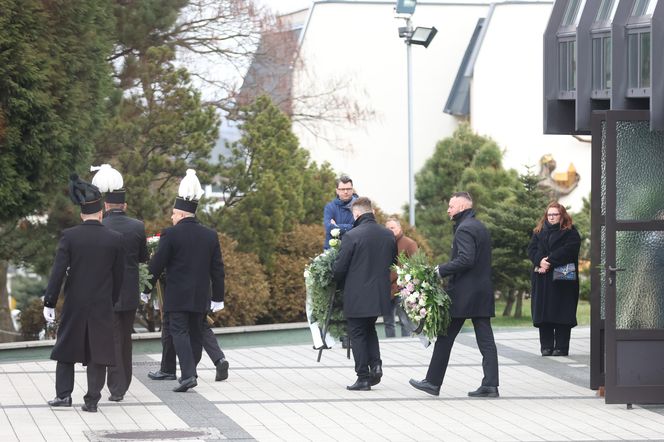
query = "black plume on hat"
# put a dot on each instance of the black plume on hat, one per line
(84, 194)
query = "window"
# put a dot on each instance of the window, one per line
(570, 18)
(567, 65)
(601, 59)
(639, 8)
(606, 10)
(638, 59)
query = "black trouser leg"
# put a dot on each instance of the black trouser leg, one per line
(373, 347)
(64, 379)
(441, 352)
(487, 346)
(196, 336)
(546, 336)
(119, 375)
(168, 363)
(365, 344)
(185, 329)
(210, 343)
(561, 337)
(96, 378)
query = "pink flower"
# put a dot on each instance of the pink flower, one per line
(423, 312)
(410, 287)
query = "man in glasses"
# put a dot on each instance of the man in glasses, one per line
(337, 213)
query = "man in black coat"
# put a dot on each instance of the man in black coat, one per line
(191, 255)
(472, 297)
(136, 251)
(363, 269)
(90, 259)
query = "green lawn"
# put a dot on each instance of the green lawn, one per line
(582, 315)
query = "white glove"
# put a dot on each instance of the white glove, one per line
(49, 314)
(216, 306)
(145, 297)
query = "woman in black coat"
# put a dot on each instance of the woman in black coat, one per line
(555, 243)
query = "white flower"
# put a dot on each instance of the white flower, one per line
(425, 285)
(334, 242)
(408, 277)
(422, 302)
(335, 233)
(306, 273)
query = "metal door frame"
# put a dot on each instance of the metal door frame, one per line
(615, 393)
(597, 368)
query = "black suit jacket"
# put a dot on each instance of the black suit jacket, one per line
(136, 251)
(191, 255)
(363, 267)
(91, 257)
(469, 269)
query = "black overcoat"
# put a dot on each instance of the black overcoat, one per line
(191, 255)
(136, 251)
(469, 269)
(91, 257)
(554, 302)
(362, 267)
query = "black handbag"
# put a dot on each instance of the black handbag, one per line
(565, 272)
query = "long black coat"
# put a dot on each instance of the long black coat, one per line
(363, 268)
(91, 257)
(191, 255)
(136, 251)
(469, 269)
(554, 302)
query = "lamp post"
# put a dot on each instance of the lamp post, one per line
(419, 36)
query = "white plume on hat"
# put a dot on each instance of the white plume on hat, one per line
(190, 187)
(106, 179)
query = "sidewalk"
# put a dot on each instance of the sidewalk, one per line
(282, 393)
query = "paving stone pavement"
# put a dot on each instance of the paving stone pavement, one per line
(281, 393)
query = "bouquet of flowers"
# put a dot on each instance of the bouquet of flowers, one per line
(421, 296)
(320, 287)
(144, 275)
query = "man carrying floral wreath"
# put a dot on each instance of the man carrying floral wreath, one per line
(362, 268)
(471, 291)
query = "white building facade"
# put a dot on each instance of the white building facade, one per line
(356, 42)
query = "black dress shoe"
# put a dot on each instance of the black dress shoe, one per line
(547, 352)
(558, 352)
(484, 391)
(222, 370)
(115, 398)
(161, 376)
(186, 384)
(376, 374)
(426, 386)
(90, 408)
(360, 385)
(60, 402)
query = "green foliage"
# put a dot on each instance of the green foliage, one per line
(581, 220)
(319, 279)
(26, 288)
(156, 132)
(511, 225)
(53, 78)
(465, 161)
(263, 180)
(318, 189)
(287, 287)
(247, 292)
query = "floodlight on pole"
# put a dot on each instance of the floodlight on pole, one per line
(423, 37)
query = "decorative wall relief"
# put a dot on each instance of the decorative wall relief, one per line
(558, 183)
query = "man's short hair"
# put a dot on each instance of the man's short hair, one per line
(344, 179)
(362, 205)
(394, 219)
(464, 195)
